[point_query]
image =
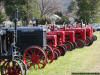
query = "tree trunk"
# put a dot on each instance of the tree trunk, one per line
(2, 8)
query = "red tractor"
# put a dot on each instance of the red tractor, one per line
(80, 36)
(89, 33)
(69, 39)
(55, 39)
(52, 42)
(90, 37)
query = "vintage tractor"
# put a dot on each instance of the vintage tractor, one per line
(90, 37)
(80, 36)
(89, 32)
(69, 38)
(52, 42)
(10, 58)
(55, 39)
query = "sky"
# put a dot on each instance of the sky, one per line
(64, 4)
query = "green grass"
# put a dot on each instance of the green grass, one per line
(78, 60)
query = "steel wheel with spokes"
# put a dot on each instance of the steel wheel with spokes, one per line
(36, 57)
(11, 68)
(24, 66)
(50, 54)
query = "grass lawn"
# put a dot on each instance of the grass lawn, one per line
(78, 60)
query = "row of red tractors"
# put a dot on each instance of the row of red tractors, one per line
(64, 39)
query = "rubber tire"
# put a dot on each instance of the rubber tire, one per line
(75, 45)
(82, 42)
(71, 45)
(94, 37)
(63, 50)
(90, 41)
(56, 54)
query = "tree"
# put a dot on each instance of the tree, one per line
(27, 9)
(2, 11)
(72, 7)
(87, 10)
(2, 17)
(63, 19)
(44, 20)
(47, 6)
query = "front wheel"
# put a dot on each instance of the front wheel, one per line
(94, 37)
(88, 41)
(50, 54)
(24, 66)
(80, 43)
(56, 55)
(11, 68)
(62, 50)
(69, 46)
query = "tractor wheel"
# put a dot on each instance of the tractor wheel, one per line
(50, 54)
(75, 45)
(69, 46)
(24, 66)
(35, 56)
(65, 47)
(80, 43)
(62, 50)
(11, 68)
(94, 37)
(88, 41)
(56, 50)
(2, 61)
(55, 55)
